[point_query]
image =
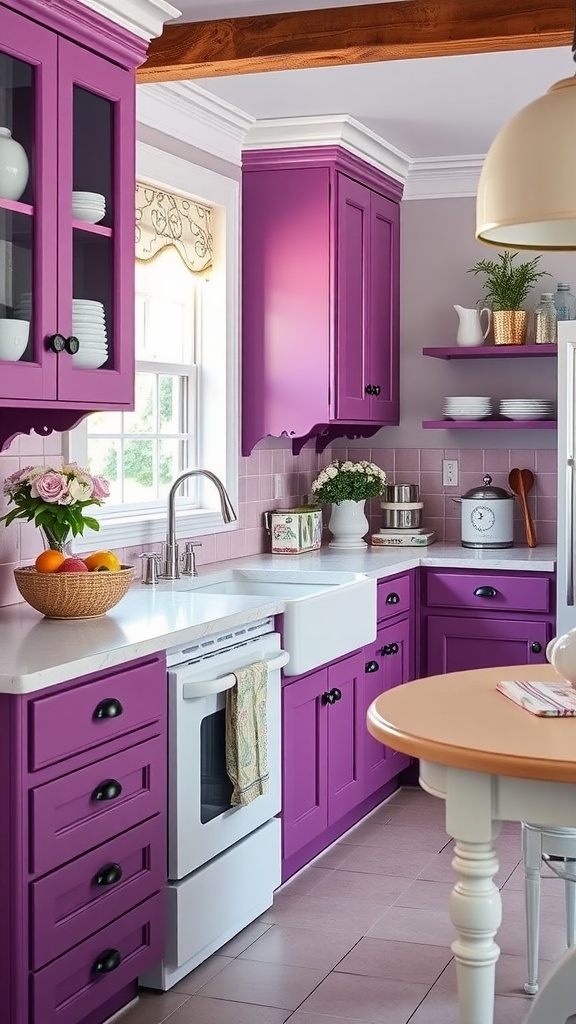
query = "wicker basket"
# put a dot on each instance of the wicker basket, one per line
(73, 595)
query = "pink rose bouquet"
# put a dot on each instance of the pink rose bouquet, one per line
(56, 499)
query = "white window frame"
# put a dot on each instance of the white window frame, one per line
(219, 360)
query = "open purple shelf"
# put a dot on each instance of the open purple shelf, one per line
(489, 425)
(491, 352)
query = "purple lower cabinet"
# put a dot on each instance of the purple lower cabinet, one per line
(346, 718)
(76, 984)
(456, 644)
(304, 750)
(387, 664)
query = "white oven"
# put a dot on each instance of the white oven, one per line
(223, 862)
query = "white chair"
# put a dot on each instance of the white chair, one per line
(556, 847)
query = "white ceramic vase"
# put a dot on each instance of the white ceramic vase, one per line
(348, 525)
(13, 166)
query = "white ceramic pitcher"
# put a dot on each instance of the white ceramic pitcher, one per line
(470, 326)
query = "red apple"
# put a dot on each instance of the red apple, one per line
(72, 565)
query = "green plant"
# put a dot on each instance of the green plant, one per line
(508, 284)
(349, 481)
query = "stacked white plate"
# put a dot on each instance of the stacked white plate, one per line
(88, 206)
(527, 408)
(23, 308)
(89, 326)
(467, 407)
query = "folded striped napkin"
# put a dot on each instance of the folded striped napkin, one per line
(548, 700)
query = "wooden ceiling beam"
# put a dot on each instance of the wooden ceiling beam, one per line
(354, 35)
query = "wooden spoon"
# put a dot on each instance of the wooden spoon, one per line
(521, 481)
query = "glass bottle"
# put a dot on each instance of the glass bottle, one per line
(545, 320)
(565, 302)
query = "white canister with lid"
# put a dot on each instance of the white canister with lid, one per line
(13, 166)
(487, 516)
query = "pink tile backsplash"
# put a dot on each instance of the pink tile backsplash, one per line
(256, 490)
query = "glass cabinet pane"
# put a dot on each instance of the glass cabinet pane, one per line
(92, 193)
(16, 272)
(16, 130)
(92, 305)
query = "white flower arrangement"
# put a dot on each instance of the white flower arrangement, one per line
(349, 481)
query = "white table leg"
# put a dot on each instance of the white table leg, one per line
(476, 913)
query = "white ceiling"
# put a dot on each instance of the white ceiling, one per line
(432, 107)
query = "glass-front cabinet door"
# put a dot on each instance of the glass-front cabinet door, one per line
(28, 212)
(96, 176)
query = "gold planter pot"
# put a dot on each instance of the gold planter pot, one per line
(509, 326)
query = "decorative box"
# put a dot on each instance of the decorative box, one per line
(294, 530)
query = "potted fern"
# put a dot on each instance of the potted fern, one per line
(506, 289)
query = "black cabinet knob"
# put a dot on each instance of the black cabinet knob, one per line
(328, 697)
(108, 961)
(109, 708)
(108, 790)
(369, 389)
(376, 389)
(109, 875)
(536, 648)
(485, 592)
(72, 344)
(392, 598)
(336, 693)
(56, 342)
(390, 649)
(371, 666)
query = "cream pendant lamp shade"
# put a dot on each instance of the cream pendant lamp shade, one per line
(527, 190)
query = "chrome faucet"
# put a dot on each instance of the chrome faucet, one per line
(170, 554)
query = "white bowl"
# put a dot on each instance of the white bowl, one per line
(89, 360)
(95, 197)
(13, 338)
(86, 215)
(87, 304)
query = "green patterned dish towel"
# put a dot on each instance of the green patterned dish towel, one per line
(247, 734)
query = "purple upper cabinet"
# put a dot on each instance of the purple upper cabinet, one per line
(320, 295)
(72, 111)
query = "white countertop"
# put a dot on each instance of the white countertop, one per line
(37, 652)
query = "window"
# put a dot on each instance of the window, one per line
(186, 384)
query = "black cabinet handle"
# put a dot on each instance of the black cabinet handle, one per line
(72, 344)
(109, 708)
(369, 389)
(376, 389)
(109, 875)
(536, 648)
(108, 790)
(392, 598)
(108, 961)
(336, 693)
(371, 666)
(328, 697)
(56, 342)
(390, 649)
(485, 592)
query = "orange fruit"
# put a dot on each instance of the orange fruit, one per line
(49, 561)
(102, 560)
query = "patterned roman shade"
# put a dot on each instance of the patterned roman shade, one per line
(164, 218)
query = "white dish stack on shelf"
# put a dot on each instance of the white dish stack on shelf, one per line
(466, 407)
(88, 206)
(89, 326)
(527, 409)
(402, 518)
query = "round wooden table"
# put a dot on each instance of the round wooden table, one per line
(491, 761)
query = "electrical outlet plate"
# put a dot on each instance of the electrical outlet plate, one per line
(450, 473)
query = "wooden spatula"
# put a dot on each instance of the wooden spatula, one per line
(521, 482)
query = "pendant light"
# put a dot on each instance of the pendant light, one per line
(527, 190)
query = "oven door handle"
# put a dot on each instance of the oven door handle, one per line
(193, 690)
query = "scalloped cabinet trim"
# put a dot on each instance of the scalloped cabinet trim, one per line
(145, 18)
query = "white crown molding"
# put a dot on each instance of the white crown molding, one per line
(330, 130)
(443, 177)
(195, 116)
(144, 18)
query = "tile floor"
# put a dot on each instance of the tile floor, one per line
(363, 935)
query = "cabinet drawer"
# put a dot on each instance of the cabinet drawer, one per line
(76, 984)
(85, 808)
(514, 592)
(393, 597)
(74, 720)
(73, 902)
